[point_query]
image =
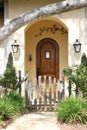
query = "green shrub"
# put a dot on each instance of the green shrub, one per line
(16, 100)
(10, 105)
(72, 110)
(9, 77)
(78, 76)
(84, 59)
(6, 109)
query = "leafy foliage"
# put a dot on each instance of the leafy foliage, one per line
(78, 76)
(10, 60)
(16, 100)
(84, 59)
(72, 110)
(10, 105)
(6, 109)
(9, 78)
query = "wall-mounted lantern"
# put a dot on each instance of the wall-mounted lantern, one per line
(77, 46)
(15, 47)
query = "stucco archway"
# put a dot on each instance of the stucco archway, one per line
(45, 28)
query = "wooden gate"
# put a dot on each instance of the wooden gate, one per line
(44, 95)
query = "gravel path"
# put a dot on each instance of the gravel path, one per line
(35, 121)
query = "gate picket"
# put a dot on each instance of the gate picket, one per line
(40, 89)
(60, 90)
(54, 91)
(50, 93)
(35, 94)
(30, 93)
(43, 95)
(27, 92)
(45, 99)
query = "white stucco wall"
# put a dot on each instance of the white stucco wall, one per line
(22, 6)
(2, 60)
(19, 36)
(75, 22)
(14, 10)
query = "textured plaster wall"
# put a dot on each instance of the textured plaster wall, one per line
(2, 60)
(21, 6)
(31, 42)
(74, 21)
(15, 9)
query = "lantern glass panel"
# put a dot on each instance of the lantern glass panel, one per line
(15, 47)
(77, 46)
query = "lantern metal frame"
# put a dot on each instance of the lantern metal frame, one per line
(77, 46)
(15, 47)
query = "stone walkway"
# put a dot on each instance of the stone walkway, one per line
(41, 121)
(35, 121)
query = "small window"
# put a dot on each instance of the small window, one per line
(47, 55)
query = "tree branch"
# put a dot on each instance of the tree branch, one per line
(42, 12)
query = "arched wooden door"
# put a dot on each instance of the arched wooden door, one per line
(47, 58)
